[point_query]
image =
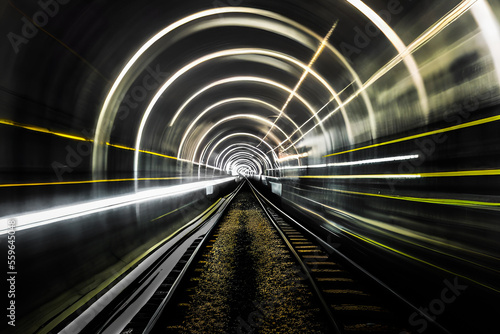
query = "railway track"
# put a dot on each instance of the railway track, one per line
(256, 270)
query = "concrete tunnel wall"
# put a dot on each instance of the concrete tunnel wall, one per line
(392, 135)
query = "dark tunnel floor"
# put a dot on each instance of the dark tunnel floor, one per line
(245, 280)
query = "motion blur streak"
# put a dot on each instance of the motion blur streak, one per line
(40, 218)
(87, 181)
(430, 33)
(354, 163)
(195, 121)
(397, 251)
(488, 172)
(443, 201)
(39, 129)
(399, 45)
(485, 18)
(64, 135)
(200, 61)
(425, 134)
(374, 124)
(303, 77)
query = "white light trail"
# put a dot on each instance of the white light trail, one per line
(307, 70)
(62, 213)
(301, 35)
(240, 148)
(218, 104)
(486, 20)
(435, 29)
(201, 60)
(398, 44)
(293, 157)
(245, 99)
(244, 134)
(354, 163)
(260, 119)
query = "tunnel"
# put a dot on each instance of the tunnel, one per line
(374, 123)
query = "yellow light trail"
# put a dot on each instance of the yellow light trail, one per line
(381, 245)
(486, 172)
(65, 135)
(304, 75)
(399, 231)
(142, 151)
(43, 130)
(420, 135)
(173, 211)
(86, 182)
(443, 201)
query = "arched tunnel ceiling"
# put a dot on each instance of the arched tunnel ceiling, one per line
(377, 120)
(181, 80)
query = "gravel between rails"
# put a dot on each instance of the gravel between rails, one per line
(250, 283)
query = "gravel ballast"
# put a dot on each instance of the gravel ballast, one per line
(249, 282)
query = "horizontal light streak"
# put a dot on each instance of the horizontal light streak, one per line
(382, 245)
(364, 176)
(425, 134)
(440, 201)
(354, 163)
(374, 161)
(487, 172)
(40, 218)
(293, 157)
(86, 182)
(65, 135)
(141, 151)
(42, 130)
